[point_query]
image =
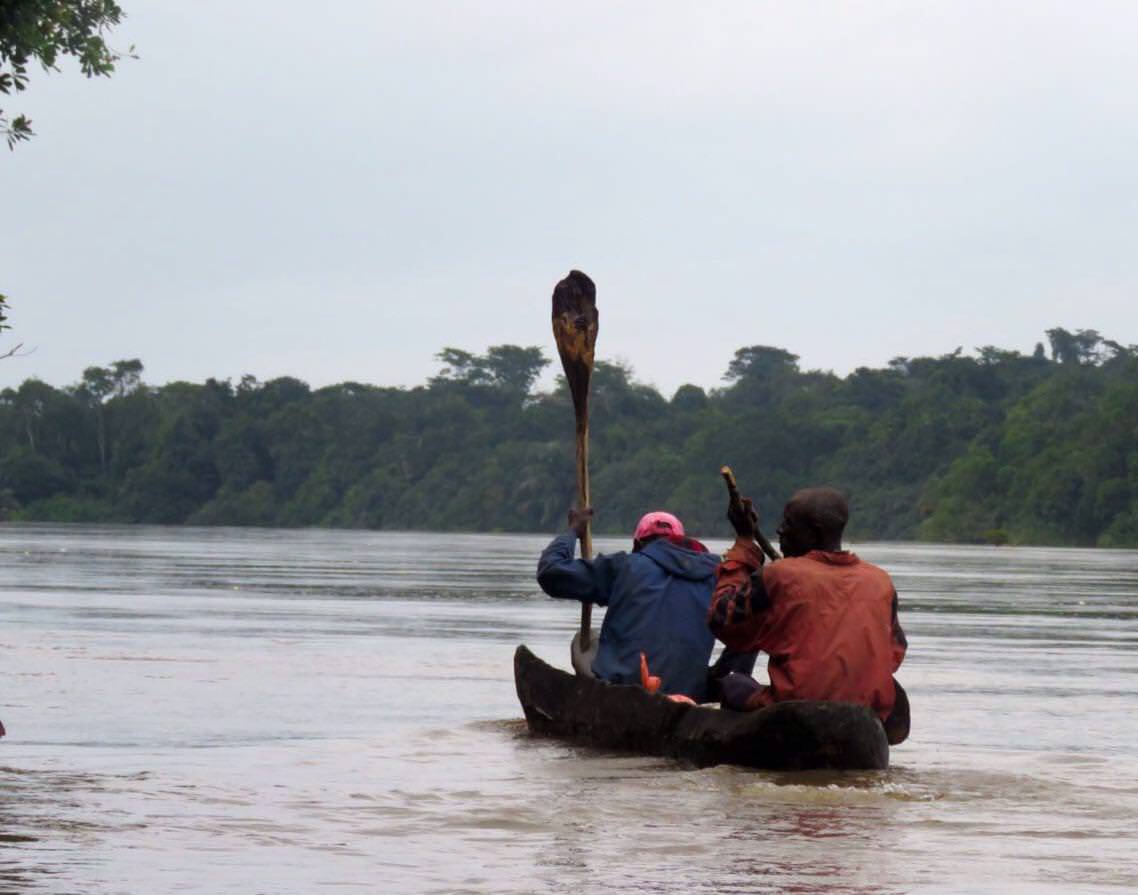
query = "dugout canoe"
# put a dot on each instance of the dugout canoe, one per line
(787, 736)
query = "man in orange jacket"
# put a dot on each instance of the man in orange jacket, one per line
(827, 619)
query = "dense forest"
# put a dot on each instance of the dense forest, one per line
(994, 446)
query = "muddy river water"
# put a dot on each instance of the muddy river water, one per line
(242, 711)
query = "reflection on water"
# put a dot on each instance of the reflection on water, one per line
(250, 711)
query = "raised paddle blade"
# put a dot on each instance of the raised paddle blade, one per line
(575, 322)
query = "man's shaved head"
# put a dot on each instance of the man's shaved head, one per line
(825, 507)
(814, 519)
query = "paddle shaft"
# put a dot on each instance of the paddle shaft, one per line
(582, 503)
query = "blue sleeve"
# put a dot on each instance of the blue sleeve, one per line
(588, 580)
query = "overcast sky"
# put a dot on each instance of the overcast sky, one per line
(336, 191)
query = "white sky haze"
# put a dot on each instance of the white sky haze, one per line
(335, 194)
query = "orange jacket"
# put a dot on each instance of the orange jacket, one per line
(828, 621)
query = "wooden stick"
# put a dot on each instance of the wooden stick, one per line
(587, 534)
(737, 499)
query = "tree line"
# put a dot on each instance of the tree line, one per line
(989, 446)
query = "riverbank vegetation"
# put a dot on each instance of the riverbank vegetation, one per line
(991, 446)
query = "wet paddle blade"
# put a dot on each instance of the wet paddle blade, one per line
(897, 724)
(582, 659)
(575, 322)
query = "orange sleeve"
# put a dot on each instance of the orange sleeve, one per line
(739, 600)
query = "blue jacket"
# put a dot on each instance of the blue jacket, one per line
(657, 601)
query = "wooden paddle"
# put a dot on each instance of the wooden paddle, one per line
(575, 330)
(737, 499)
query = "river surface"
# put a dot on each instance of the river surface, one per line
(244, 711)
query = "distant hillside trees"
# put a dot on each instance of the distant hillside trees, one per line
(993, 446)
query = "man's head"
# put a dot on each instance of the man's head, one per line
(813, 519)
(656, 525)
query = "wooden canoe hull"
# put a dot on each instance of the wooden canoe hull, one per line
(789, 736)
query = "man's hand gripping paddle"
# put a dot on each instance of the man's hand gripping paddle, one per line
(736, 506)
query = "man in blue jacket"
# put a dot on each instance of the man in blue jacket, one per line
(657, 598)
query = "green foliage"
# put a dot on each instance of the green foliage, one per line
(29, 476)
(993, 448)
(508, 368)
(43, 31)
(4, 320)
(1061, 465)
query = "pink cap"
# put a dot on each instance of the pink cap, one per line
(658, 523)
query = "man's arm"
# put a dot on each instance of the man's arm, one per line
(900, 641)
(561, 575)
(740, 599)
